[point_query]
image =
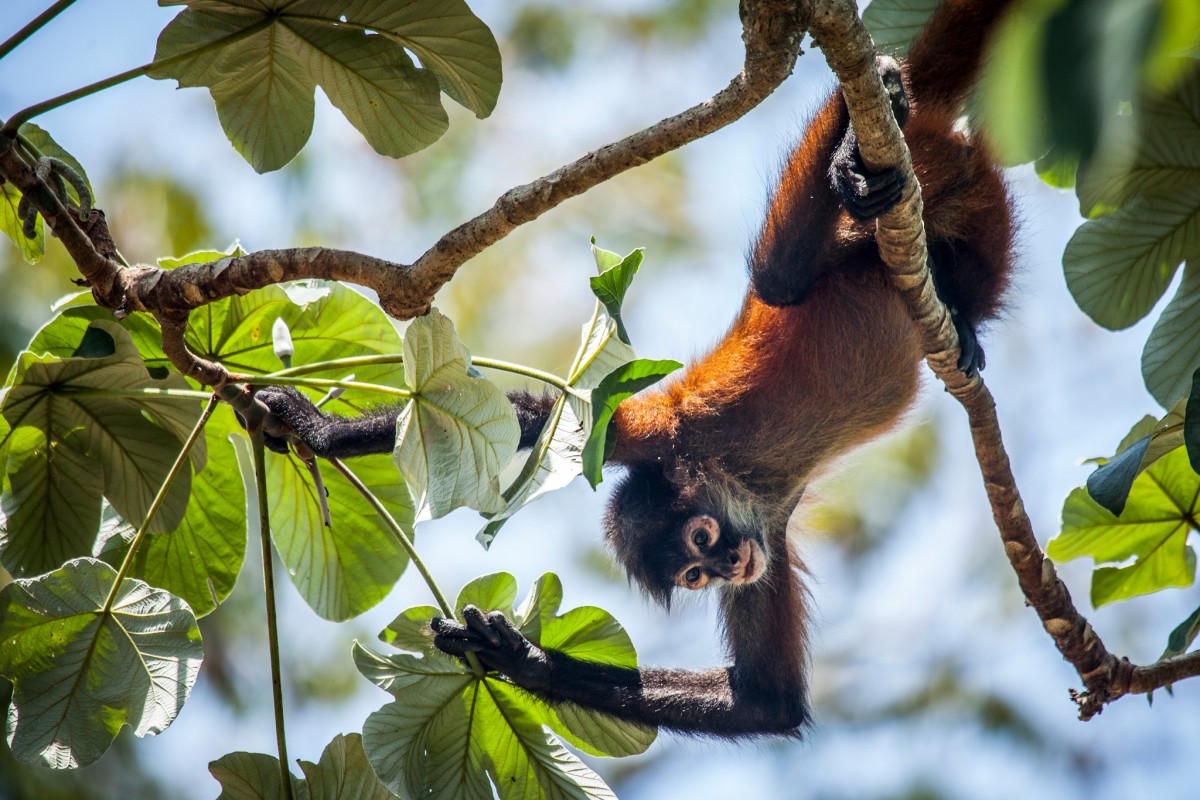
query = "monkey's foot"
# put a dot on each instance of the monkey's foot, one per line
(865, 195)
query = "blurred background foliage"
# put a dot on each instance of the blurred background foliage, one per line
(931, 679)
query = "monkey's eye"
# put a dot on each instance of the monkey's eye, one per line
(700, 538)
(693, 574)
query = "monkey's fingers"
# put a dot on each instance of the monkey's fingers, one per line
(458, 647)
(481, 625)
(507, 632)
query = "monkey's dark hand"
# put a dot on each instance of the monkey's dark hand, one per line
(294, 410)
(867, 195)
(498, 645)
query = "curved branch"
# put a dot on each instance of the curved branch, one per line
(901, 238)
(772, 30)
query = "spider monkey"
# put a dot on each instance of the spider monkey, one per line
(822, 357)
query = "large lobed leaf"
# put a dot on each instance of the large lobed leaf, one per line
(341, 774)
(1151, 533)
(262, 61)
(84, 426)
(448, 731)
(458, 431)
(79, 675)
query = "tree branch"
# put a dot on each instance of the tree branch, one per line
(771, 33)
(900, 234)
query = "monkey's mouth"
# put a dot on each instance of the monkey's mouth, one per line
(752, 563)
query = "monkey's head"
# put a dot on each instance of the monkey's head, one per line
(682, 525)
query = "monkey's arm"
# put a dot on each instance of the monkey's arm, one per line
(709, 702)
(331, 436)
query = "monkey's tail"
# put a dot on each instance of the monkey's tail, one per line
(945, 60)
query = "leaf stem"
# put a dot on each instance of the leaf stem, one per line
(396, 358)
(26, 114)
(323, 383)
(398, 532)
(170, 394)
(264, 525)
(41, 19)
(180, 460)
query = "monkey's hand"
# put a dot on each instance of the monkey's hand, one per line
(867, 195)
(295, 411)
(497, 644)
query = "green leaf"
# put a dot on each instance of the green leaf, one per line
(346, 568)
(80, 676)
(342, 774)
(253, 776)
(1109, 485)
(1182, 637)
(262, 65)
(200, 560)
(1191, 423)
(613, 282)
(31, 250)
(1118, 266)
(1172, 352)
(1152, 531)
(895, 24)
(1147, 441)
(448, 732)
(458, 431)
(42, 140)
(93, 408)
(1156, 151)
(1057, 169)
(621, 384)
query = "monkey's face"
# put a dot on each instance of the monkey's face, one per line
(681, 527)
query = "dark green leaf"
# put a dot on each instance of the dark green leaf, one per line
(1182, 637)
(342, 774)
(1109, 485)
(79, 676)
(1191, 423)
(621, 384)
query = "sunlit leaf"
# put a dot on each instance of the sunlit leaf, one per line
(346, 568)
(449, 731)
(200, 560)
(613, 282)
(105, 410)
(458, 431)
(79, 676)
(1152, 531)
(1147, 441)
(253, 776)
(31, 250)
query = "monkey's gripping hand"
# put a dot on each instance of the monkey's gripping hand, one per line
(327, 435)
(867, 195)
(497, 644)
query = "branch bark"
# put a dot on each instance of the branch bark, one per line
(900, 234)
(771, 34)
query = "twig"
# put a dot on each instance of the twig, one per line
(901, 238)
